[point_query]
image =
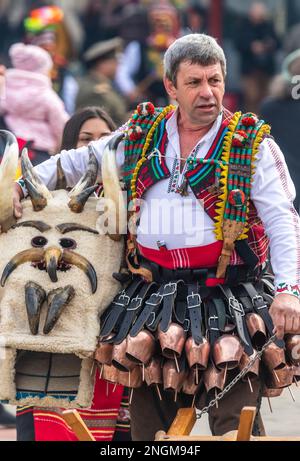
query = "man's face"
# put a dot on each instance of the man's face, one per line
(199, 92)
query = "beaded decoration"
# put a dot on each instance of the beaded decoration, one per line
(240, 148)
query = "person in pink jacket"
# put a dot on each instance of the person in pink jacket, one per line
(29, 106)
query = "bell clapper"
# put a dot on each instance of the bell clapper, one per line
(158, 391)
(250, 385)
(107, 384)
(295, 381)
(143, 371)
(131, 394)
(101, 370)
(193, 402)
(129, 379)
(270, 406)
(292, 395)
(175, 398)
(216, 395)
(176, 363)
(276, 376)
(93, 368)
(197, 375)
(115, 386)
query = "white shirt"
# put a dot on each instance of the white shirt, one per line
(272, 193)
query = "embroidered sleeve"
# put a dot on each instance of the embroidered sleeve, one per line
(273, 193)
(287, 288)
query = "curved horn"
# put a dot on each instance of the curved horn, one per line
(76, 204)
(38, 192)
(70, 257)
(112, 188)
(35, 295)
(31, 255)
(8, 170)
(57, 300)
(89, 177)
(52, 257)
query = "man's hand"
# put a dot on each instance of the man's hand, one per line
(17, 197)
(285, 313)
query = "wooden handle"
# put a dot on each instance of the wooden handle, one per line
(184, 422)
(74, 420)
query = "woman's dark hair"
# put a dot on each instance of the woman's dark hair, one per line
(74, 124)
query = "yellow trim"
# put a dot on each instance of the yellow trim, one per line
(220, 205)
(148, 140)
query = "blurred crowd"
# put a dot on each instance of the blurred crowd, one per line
(56, 59)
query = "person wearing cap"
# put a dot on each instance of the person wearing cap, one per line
(282, 109)
(210, 194)
(96, 88)
(29, 106)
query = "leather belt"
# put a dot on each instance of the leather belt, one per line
(194, 311)
(169, 296)
(237, 312)
(117, 309)
(212, 321)
(132, 311)
(261, 308)
(148, 311)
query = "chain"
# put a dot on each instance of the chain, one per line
(237, 378)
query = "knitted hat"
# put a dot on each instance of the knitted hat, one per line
(31, 58)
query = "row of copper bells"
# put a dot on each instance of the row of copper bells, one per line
(139, 359)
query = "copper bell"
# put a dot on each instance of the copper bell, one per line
(189, 386)
(110, 374)
(172, 341)
(279, 378)
(292, 346)
(253, 370)
(296, 371)
(119, 359)
(197, 354)
(132, 378)
(173, 381)
(153, 372)
(271, 392)
(227, 352)
(103, 353)
(257, 329)
(214, 378)
(141, 347)
(273, 357)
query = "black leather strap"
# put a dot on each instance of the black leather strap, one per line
(212, 321)
(169, 296)
(260, 306)
(150, 306)
(194, 302)
(118, 307)
(237, 313)
(133, 310)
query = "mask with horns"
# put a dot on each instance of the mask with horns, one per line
(56, 271)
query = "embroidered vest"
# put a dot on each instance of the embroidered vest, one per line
(222, 180)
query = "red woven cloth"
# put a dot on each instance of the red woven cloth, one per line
(100, 418)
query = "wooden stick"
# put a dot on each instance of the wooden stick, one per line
(246, 424)
(78, 426)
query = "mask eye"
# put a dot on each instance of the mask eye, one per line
(39, 241)
(68, 244)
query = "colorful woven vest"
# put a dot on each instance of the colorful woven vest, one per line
(222, 180)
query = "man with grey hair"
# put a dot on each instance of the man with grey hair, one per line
(203, 305)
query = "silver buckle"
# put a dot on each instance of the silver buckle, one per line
(124, 296)
(138, 301)
(197, 303)
(235, 305)
(173, 287)
(154, 303)
(214, 317)
(258, 298)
